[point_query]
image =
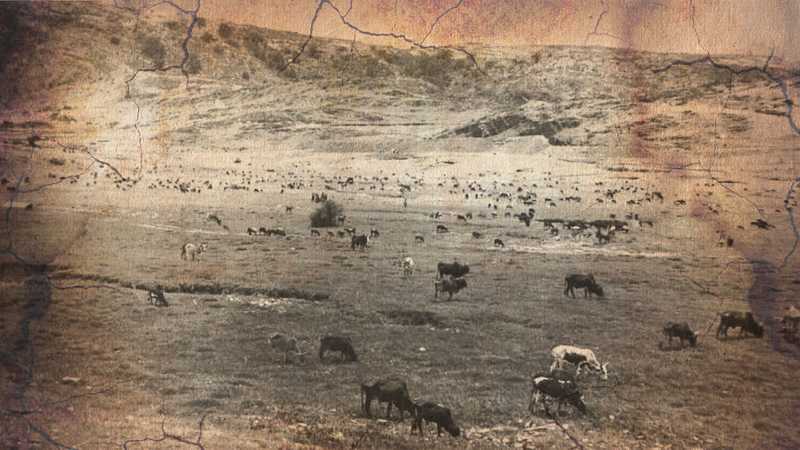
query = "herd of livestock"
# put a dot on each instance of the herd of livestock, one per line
(558, 383)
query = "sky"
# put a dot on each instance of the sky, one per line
(753, 27)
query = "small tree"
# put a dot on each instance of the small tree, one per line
(326, 215)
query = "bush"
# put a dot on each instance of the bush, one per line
(326, 215)
(207, 37)
(153, 49)
(201, 22)
(193, 65)
(115, 40)
(225, 31)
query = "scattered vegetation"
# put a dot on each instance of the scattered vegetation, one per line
(193, 65)
(115, 40)
(225, 31)
(152, 49)
(326, 215)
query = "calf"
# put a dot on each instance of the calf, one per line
(419, 239)
(791, 320)
(284, 344)
(451, 286)
(586, 282)
(436, 413)
(343, 345)
(392, 391)
(359, 241)
(499, 243)
(441, 229)
(454, 269)
(680, 331)
(408, 266)
(742, 320)
(544, 386)
(579, 357)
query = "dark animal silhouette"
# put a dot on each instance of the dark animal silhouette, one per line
(438, 414)
(359, 241)
(545, 385)
(742, 320)
(451, 286)
(585, 282)
(454, 269)
(392, 391)
(343, 345)
(680, 331)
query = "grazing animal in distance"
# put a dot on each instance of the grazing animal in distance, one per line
(419, 239)
(343, 345)
(407, 264)
(442, 229)
(477, 235)
(262, 231)
(579, 357)
(454, 269)
(193, 251)
(680, 331)
(545, 385)
(359, 241)
(461, 218)
(341, 219)
(252, 231)
(585, 282)
(373, 233)
(742, 320)
(289, 209)
(285, 345)
(499, 243)
(436, 413)
(393, 391)
(350, 230)
(451, 286)
(275, 232)
(791, 319)
(156, 297)
(315, 232)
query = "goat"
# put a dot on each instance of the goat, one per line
(580, 357)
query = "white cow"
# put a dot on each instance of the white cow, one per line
(580, 357)
(193, 251)
(408, 266)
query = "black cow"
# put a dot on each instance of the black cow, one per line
(742, 320)
(350, 230)
(252, 231)
(499, 243)
(275, 232)
(343, 345)
(441, 229)
(585, 282)
(680, 331)
(392, 391)
(419, 239)
(262, 231)
(455, 269)
(315, 232)
(477, 235)
(545, 385)
(438, 414)
(373, 233)
(156, 297)
(451, 286)
(359, 241)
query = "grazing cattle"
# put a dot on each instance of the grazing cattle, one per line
(343, 345)
(289, 209)
(408, 266)
(451, 286)
(526, 219)
(350, 230)
(499, 243)
(442, 229)
(331, 234)
(791, 319)
(315, 232)
(285, 345)
(454, 269)
(436, 413)
(545, 385)
(262, 231)
(341, 219)
(585, 282)
(477, 235)
(461, 218)
(579, 357)
(275, 232)
(252, 231)
(392, 391)
(359, 241)
(373, 233)
(419, 239)
(742, 320)
(156, 297)
(193, 251)
(680, 331)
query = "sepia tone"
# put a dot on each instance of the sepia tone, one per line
(399, 224)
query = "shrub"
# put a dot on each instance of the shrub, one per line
(225, 31)
(201, 22)
(193, 65)
(115, 40)
(326, 215)
(207, 37)
(153, 49)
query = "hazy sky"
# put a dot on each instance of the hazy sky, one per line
(724, 26)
